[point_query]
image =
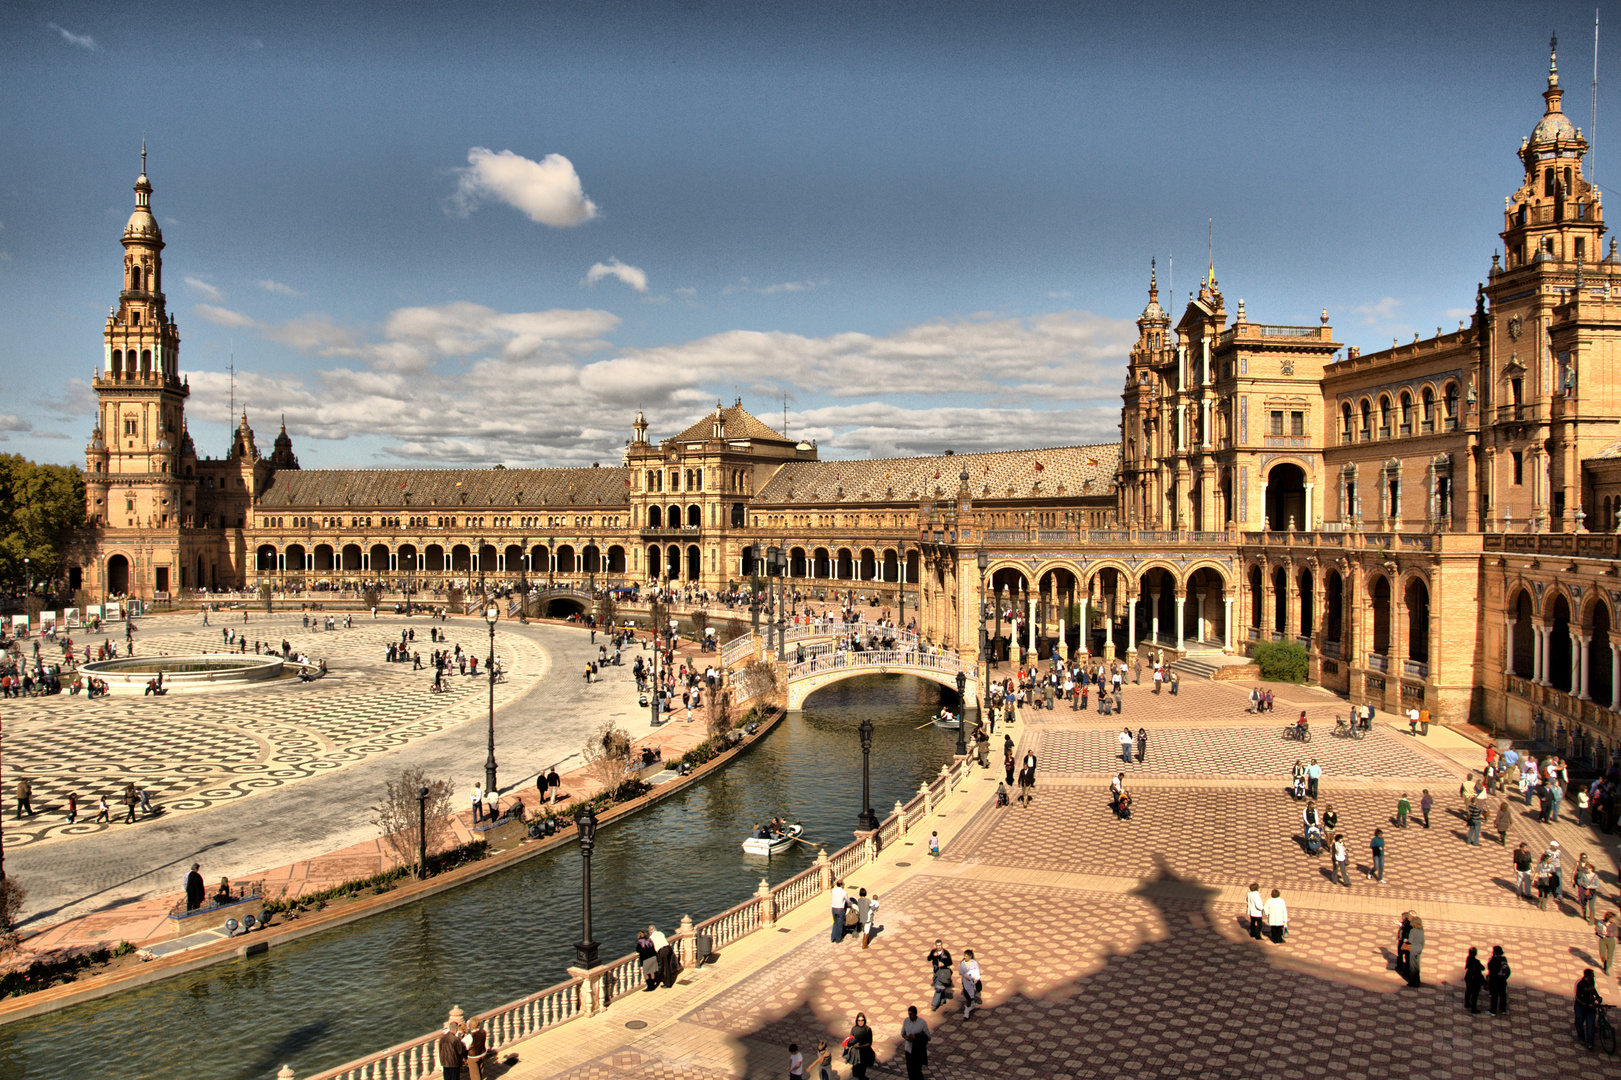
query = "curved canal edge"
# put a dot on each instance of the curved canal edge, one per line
(56, 998)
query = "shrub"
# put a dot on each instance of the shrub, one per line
(1281, 661)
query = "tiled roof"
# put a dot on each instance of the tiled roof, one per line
(1057, 471)
(415, 488)
(738, 423)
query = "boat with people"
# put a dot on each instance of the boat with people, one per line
(768, 841)
(948, 719)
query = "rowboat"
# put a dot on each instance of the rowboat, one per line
(770, 845)
(947, 720)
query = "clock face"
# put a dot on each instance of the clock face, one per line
(1516, 326)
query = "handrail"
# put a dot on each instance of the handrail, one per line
(874, 658)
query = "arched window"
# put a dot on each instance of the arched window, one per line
(1406, 413)
(146, 362)
(1345, 420)
(1384, 416)
(1451, 405)
(1548, 181)
(1367, 420)
(1429, 410)
(118, 363)
(135, 277)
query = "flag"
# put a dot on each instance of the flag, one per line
(937, 474)
(1039, 466)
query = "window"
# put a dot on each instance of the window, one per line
(1276, 422)
(1581, 248)
(131, 427)
(1297, 424)
(1519, 468)
(1345, 420)
(1548, 182)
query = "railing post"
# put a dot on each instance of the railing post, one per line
(824, 870)
(900, 818)
(763, 896)
(285, 1073)
(589, 1002)
(686, 949)
(927, 792)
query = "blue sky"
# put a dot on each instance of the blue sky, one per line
(491, 232)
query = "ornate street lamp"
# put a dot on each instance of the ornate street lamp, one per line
(777, 567)
(491, 614)
(422, 833)
(586, 949)
(868, 819)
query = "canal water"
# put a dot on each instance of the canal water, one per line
(328, 999)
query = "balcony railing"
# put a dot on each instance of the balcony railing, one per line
(1378, 663)
(1417, 668)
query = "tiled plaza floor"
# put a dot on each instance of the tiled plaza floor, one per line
(1117, 948)
(199, 750)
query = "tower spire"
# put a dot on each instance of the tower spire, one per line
(143, 155)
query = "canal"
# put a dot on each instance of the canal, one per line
(325, 1000)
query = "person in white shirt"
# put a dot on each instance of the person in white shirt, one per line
(1276, 914)
(968, 969)
(1255, 908)
(1126, 740)
(1340, 871)
(478, 804)
(839, 900)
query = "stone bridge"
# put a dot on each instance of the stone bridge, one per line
(808, 676)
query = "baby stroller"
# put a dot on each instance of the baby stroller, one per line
(1300, 786)
(1314, 839)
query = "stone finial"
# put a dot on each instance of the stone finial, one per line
(285, 1073)
(455, 1016)
(686, 925)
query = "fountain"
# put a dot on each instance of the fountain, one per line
(183, 674)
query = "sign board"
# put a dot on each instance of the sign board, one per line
(70, 617)
(114, 612)
(19, 625)
(47, 621)
(92, 612)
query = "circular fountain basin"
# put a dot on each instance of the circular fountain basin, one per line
(128, 676)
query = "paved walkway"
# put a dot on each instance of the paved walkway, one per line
(1118, 948)
(545, 713)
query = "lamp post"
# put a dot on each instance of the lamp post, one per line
(777, 568)
(868, 819)
(491, 613)
(586, 949)
(422, 833)
(655, 613)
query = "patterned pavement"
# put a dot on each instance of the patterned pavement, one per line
(1118, 948)
(200, 750)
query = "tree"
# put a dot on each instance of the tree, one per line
(1281, 661)
(399, 816)
(41, 507)
(607, 755)
(12, 896)
(718, 713)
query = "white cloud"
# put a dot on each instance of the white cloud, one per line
(278, 288)
(1380, 310)
(13, 422)
(771, 290)
(462, 382)
(205, 290)
(548, 191)
(83, 41)
(224, 316)
(633, 276)
(686, 292)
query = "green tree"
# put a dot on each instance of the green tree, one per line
(41, 506)
(1281, 661)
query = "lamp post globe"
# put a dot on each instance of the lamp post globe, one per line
(868, 819)
(586, 949)
(491, 614)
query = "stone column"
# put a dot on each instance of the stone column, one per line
(1508, 643)
(1131, 624)
(1538, 675)
(1063, 640)
(1086, 622)
(1615, 677)
(1181, 602)
(1227, 624)
(1108, 625)
(1307, 524)
(1578, 657)
(1031, 624)
(1153, 616)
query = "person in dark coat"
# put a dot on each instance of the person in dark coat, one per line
(862, 1056)
(1497, 973)
(1474, 979)
(452, 1052)
(195, 889)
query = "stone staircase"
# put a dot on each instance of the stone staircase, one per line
(1203, 662)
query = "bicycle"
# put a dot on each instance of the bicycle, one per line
(1606, 1033)
(1295, 731)
(1348, 729)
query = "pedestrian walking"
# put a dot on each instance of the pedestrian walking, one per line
(972, 983)
(103, 810)
(839, 901)
(1126, 741)
(1586, 880)
(822, 1067)
(1425, 802)
(1377, 846)
(940, 981)
(858, 1048)
(1255, 908)
(1277, 918)
(1415, 950)
(1142, 745)
(1504, 822)
(1477, 817)
(1522, 870)
(73, 807)
(1341, 875)
(1314, 774)
(478, 803)
(915, 1034)
(1474, 980)
(1007, 767)
(934, 844)
(1605, 929)
(1175, 682)
(25, 798)
(1587, 1003)
(1404, 810)
(796, 1062)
